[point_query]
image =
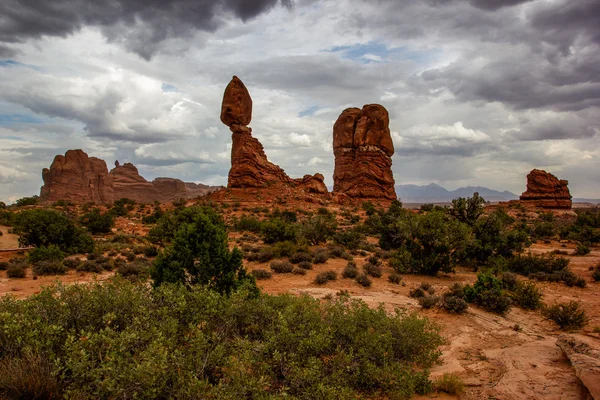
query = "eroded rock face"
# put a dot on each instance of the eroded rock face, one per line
(77, 178)
(250, 167)
(363, 150)
(545, 190)
(81, 179)
(584, 359)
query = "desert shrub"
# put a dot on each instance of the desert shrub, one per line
(373, 270)
(90, 266)
(137, 269)
(167, 226)
(426, 243)
(150, 251)
(349, 238)
(364, 280)
(337, 252)
(457, 289)
(395, 278)
(49, 268)
(3, 265)
(325, 277)
(129, 256)
(568, 316)
(299, 271)
(45, 253)
(582, 249)
(122, 340)
(543, 230)
(27, 201)
(199, 254)
(305, 265)
(428, 301)
(261, 274)
(284, 249)
(453, 303)
(585, 229)
(596, 273)
(317, 229)
(527, 295)
(264, 255)
(30, 376)
(278, 230)
(374, 260)
(16, 270)
(426, 286)
(282, 267)
(350, 271)
(71, 263)
(154, 217)
(48, 227)
(467, 210)
(248, 223)
(543, 268)
(286, 215)
(509, 280)
(300, 257)
(96, 222)
(449, 383)
(416, 293)
(321, 257)
(488, 294)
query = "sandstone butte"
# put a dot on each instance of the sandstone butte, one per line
(363, 150)
(545, 190)
(250, 167)
(80, 179)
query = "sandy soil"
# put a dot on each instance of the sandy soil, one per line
(511, 357)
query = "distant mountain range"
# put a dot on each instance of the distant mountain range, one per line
(434, 193)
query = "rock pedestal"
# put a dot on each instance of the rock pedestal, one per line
(545, 190)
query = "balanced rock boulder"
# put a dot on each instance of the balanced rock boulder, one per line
(545, 190)
(250, 167)
(77, 178)
(363, 149)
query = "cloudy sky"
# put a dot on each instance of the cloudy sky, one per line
(479, 91)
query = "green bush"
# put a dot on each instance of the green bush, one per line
(43, 253)
(27, 201)
(454, 304)
(278, 230)
(488, 294)
(373, 270)
(71, 263)
(90, 266)
(300, 257)
(321, 257)
(120, 340)
(248, 223)
(16, 270)
(364, 280)
(96, 222)
(49, 268)
(350, 271)
(596, 273)
(467, 210)
(137, 270)
(299, 271)
(428, 301)
(568, 316)
(349, 238)
(3, 265)
(282, 267)
(395, 278)
(416, 293)
(582, 249)
(305, 265)
(449, 383)
(527, 295)
(317, 229)
(47, 227)
(261, 274)
(200, 254)
(325, 277)
(30, 376)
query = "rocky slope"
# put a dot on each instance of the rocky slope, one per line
(363, 150)
(81, 179)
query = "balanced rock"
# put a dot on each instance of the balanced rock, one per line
(312, 183)
(236, 108)
(363, 150)
(545, 190)
(77, 178)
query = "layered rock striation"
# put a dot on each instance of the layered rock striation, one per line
(81, 179)
(545, 190)
(363, 150)
(250, 167)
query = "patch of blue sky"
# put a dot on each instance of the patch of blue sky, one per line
(169, 88)
(9, 63)
(374, 52)
(15, 119)
(310, 111)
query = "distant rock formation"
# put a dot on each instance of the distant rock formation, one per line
(80, 179)
(363, 150)
(77, 178)
(250, 167)
(545, 190)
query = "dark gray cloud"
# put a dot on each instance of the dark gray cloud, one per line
(6, 51)
(139, 24)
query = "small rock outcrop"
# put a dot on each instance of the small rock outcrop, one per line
(545, 190)
(363, 150)
(81, 179)
(77, 178)
(250, 167)
(585, 360)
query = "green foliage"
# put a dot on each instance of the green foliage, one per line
(305, 265)
(582, 249)
(317, 229)
(350, 271)
(427, 243)
(261, 274)
(527, 295)
(454, 304)
(17, 268)
(449, 383)
(121, 340)
(27, 201)
(299, 257)
(247, 223)
(4, 265)
(468, 210)
(487, 293)
(373, 270)
(30, 376)
(395, 278)
(543, 268)
(96, 222)
(200, 254)
(364, 280)
(49, 268)
(282, 267)
(596, 273)
(48, 227)
(6, 217)
(568, 316)
(585, 229)
(428, 301)
(325, 277)
(350, 238)
(122, 207)
(167, 226)
(279, 230)
(321, 256)
(154, 217)
(45, 253)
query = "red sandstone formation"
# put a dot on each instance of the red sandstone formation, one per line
(250, 167)
(363, 150)
(77, 178)
(545, 190)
